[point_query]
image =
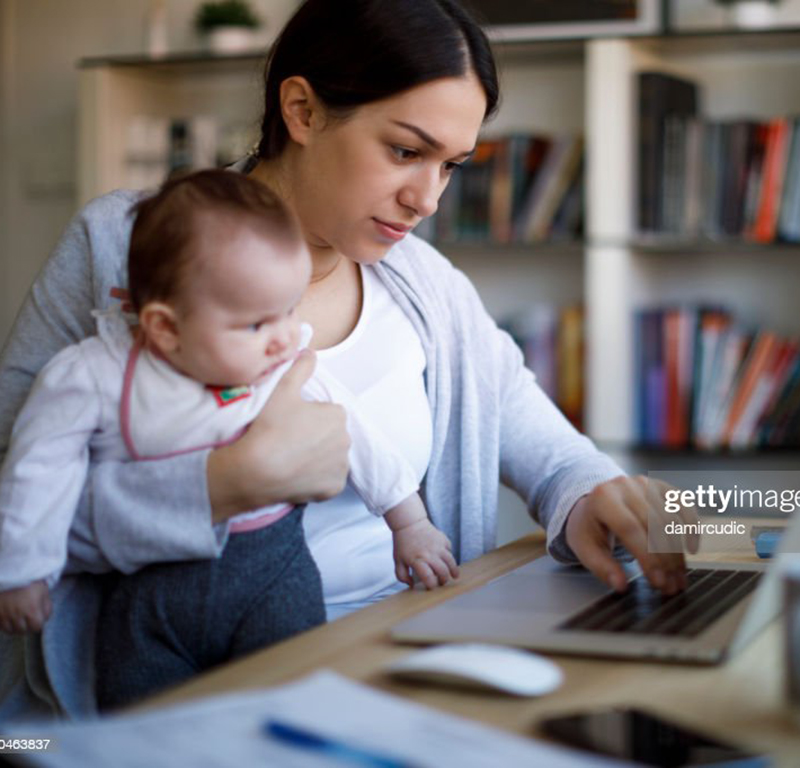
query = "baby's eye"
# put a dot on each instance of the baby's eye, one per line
(255, 326)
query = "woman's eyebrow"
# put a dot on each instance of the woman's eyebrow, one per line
(428, 139)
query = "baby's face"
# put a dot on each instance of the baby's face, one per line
(237, 323)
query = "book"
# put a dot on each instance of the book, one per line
(476, 177)
(660, 96)
(789, 216)
(774, 425)
(554, 187)
(678, 346)
(501, 193)
(711, 327)
(749, 390)
(693, 176)
(754, 175)
(570, 349)
(765, 394)
(725, 380)
(551, 180)
(711, 179)
(775, 155)
(740, 149)
(651, 385)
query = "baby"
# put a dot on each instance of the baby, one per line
(216, 268)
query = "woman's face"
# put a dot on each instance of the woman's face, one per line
(364, 182)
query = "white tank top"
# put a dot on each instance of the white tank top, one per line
(382, 363)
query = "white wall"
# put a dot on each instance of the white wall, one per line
(707, 13)
(40, 43)
(6, 53)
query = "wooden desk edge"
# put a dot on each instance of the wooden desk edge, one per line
(741, 701)
(319, 647)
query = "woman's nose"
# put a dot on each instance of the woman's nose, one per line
(422, 194)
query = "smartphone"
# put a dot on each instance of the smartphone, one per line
(634, 734)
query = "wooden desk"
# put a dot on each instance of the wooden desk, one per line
(741, 700)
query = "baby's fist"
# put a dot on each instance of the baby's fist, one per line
(25, 609)
(425, 550)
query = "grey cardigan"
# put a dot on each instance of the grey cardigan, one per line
(491, 421)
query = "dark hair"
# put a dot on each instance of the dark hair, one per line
(354, 52)
(169, 223)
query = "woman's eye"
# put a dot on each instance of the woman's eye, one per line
(404, 153)
(451, 167)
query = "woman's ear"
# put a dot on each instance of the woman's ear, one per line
(160, 327)
(300, 108)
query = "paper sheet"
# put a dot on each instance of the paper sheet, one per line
(228, 730)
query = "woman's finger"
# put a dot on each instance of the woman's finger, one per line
(288, 388)
(664, 568)
(588, 539)
(624, 524)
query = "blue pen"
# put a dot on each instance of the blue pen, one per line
(338, 750)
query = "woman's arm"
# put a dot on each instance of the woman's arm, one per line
(583, 499)
(578, 494)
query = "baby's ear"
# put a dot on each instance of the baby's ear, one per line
(160, 327)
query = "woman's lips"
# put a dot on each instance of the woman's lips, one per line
(390, 230)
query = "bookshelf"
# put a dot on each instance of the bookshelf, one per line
(114, 91)
(586, 86)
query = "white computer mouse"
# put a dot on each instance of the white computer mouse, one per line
(497, 667)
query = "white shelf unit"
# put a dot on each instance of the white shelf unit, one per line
(586, 86)
(741, 76)
(112, 92)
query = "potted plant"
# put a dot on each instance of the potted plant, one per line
(227, 25)
(751, 13)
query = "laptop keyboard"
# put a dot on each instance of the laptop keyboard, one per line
(644, 610)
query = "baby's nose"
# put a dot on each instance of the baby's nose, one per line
(276, 345)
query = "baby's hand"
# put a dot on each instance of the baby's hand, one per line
(425, 550)
(25, 609)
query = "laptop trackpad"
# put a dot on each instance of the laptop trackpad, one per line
(542, 586)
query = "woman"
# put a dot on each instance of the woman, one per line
(371, 105)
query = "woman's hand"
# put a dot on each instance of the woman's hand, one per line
(619, 509)
(294, 451)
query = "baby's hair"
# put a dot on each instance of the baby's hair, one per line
(169, 225)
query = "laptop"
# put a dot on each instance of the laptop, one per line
(545, 606)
